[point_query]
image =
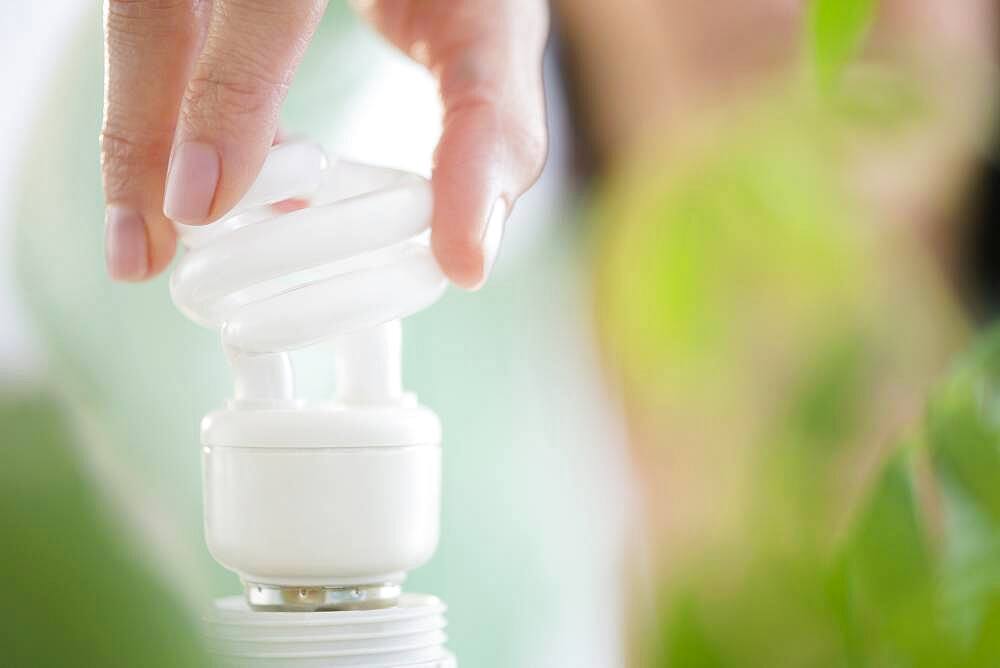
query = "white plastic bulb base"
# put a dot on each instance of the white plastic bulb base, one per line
(322, 506)
(410, 634)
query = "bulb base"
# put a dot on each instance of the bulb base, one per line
(324, 500)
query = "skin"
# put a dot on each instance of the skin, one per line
(193, 91)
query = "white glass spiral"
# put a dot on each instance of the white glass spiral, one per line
(346, 266)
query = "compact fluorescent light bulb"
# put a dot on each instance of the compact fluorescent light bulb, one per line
(317, 505)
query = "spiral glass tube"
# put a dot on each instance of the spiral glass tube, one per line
(346, 264)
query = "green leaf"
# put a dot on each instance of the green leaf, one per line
(970, 572)
(963, 433)
(837, 30)
(963, 427)
(888, 553)
(894, 598)
(827, 404)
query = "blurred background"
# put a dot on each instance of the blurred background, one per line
(732, 387)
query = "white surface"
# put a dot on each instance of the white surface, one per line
(322, 516)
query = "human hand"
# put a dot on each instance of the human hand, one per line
(193, 92)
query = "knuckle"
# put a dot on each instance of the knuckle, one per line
(524, 136)
(266, 8)
(475, 95)
(143, 19)
(123, 157)
(126, 139)
(528, 144)
(233, 91)
(531, 149)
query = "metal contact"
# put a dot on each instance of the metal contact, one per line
(277, 598)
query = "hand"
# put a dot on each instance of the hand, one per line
(193, 92)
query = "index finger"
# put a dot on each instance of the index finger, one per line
(149, 49)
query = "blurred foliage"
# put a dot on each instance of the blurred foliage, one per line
(747, 291)
(749, 229)
(915, 582)
(837, 29)
(75, 592)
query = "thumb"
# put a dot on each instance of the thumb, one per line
(230, 108)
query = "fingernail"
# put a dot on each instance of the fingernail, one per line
(191, 183)
(492, 236)
(125, 247)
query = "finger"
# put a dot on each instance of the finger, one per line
(488, 60)
(229, 113)
(140, 112)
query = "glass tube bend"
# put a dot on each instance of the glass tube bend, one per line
(347, 265)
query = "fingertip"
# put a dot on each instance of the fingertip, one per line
(126, 247)
(461, 261)
(136, 248)
(492, 236)
(466, 260)
(162, 245)
(465, 183)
